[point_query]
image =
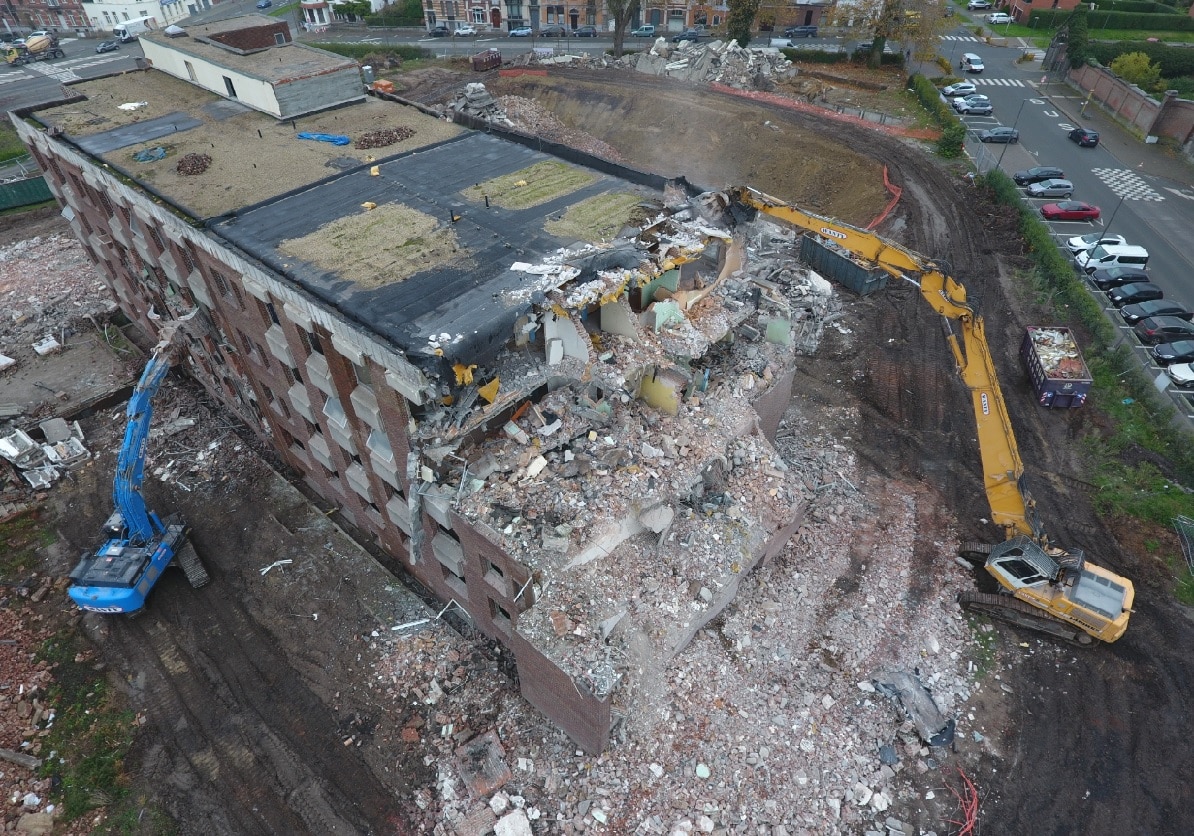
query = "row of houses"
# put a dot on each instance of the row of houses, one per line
(87, 17)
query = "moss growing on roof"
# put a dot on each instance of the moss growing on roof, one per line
(379, 246)
(531, 186)
(596, 219)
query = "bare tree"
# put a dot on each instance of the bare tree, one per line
(622, 12)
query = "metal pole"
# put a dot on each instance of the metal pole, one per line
(1107, 228)
(999, 162)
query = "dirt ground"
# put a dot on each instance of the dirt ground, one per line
(250, 698)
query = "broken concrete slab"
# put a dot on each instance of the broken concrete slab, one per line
(482, 764)
(906, 690)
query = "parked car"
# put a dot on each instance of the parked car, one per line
(978, 5)
(976, 109)
(264, 4)
(1051, 188)
(1113, 277)
(1130, 294)
(465, 32)
(1070, 210)
(962, 88)
(1081, 243)
(1085, 137)
(1037, 174)
(585, 32)
(645, 31)
(1182, 374)
(687, 35)
(1178, 351)
(107, 46)
(997, 18)
(1132, 314)
(553, 30)
(521, 32)
(972, 99)
(800, 32)
(999, 135)
(440, 30)
(971, 63)
(1161, 329)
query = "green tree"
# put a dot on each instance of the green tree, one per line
(741, 19)
(1135, 67)
(1078, 47)
(353, 9)
(622, 11)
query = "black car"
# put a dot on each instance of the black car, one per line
(553, 30)
(1112, 277)
(800, 32)
(687, 35)
(1159, 329)
(1130, 294)
(1181, 351)
(1132, 314)
(585, 32)
(1085, 137)
(107, 46)
(1036, 175)
(440, 31)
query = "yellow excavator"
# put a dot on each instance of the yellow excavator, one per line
(1044, 587)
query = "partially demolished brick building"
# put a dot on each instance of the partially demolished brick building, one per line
(546, 388)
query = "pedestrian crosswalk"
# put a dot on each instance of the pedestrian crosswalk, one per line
(998, 82)
(1127, 184)
(963, 38)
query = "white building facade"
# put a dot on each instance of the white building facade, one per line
(104, 14)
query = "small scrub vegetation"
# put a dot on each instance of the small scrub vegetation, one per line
(531, 186)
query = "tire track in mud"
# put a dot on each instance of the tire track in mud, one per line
(218, 691)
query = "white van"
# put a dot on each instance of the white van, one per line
(1112, 255)
(971, 63)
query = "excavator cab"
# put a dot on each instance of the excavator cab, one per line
(1093, 600)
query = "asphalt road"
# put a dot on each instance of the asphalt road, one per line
(1151, 211)
(31, 84)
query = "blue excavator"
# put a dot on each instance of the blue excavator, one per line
(137, 544)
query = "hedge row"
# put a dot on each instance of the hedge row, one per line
(1175, 61)
(394, 18)
(1136, 7)
(814, 56)
(1118, 366)
(953, 131)
(1096, 20)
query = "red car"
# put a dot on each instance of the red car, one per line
(1070, 210)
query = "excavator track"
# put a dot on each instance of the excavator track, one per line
(1013, 611)
(188, 560)
(975, 554)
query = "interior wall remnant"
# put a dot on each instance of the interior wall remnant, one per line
(564, 340)
(616, 318)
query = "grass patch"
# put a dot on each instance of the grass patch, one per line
(283, 10)
(380, 246)
(91, 734)
(532, 186)
(10, 146)
(1184, 592)
(17, 210)
(21, 541)
(984, 650)
(597, 219)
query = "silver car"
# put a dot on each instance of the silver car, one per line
(1051, 188)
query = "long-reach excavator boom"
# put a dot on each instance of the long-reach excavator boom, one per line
(1054, 590)
(138, 545)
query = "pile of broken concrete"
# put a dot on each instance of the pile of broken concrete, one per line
(721, 62)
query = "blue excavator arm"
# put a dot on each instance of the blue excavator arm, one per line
(140, 524)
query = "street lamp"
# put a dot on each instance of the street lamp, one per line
(999, 162)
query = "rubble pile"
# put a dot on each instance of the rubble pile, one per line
(772, 720)
(25, 719)
(47, 283)
(530, 117)
(474, 100)
(192, 164)
(382, 138)
(723, 62)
